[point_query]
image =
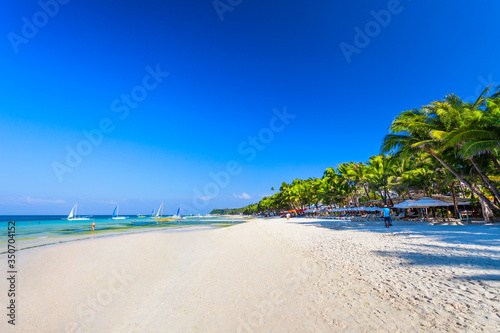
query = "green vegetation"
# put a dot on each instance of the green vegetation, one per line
(448, 147)
(232, 211)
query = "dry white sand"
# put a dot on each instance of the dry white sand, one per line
(265, 276)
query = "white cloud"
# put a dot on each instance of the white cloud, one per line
(242, 196)
(30, 200)
(106, 202)
(44, 201)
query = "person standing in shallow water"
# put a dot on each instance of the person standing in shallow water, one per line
(93, 225)
(387, 216)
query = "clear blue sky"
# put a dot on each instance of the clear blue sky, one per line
(225, 78)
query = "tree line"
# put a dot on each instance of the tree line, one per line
(449, 146)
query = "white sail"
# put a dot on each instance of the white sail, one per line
(73, 217)
(159, 210)
(73, 212)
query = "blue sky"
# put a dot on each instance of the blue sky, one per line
(225, 77)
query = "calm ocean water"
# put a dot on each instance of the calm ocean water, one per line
(39, 230)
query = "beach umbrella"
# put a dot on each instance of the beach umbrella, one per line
(404, 204)
(427, 202)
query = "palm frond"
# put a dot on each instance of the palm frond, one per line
(438, 135)
(479, 147)
(459, 137)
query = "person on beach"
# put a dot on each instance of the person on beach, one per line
(387, 216)
(287, 216)
(93, 225)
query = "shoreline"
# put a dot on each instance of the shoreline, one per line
(267, 275)
(51, 240)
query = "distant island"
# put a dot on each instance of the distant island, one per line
(232, 211)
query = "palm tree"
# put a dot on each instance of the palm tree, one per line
(471, 128)
(410, 131)
(358, 172)
(378, 167)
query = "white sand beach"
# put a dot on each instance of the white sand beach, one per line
(266, 275)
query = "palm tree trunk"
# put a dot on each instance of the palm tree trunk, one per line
(487, 213)
(465, 182)
(381, 195)
(390, 200)
(495, 161)
(454, 199)
(486, 179)
(366, 192)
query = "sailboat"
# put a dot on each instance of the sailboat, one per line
(72, 215)
(159, 215)
(178, 215)
(115, 215)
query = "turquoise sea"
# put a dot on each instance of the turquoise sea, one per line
(41, 230)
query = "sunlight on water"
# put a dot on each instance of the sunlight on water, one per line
(34, 231)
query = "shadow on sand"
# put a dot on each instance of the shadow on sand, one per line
(456, 242)
(484, 235)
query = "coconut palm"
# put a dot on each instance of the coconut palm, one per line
(378, 172)
(410, 132)
(358, 173)
(472, 128)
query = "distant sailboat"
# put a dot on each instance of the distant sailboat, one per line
(73, 217)
(159, 215)
(160, 210)
(115, 215)
(178, 215)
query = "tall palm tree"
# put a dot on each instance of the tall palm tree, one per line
(358, 172)
(378, 167)
(410, 131)
(471, 128)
